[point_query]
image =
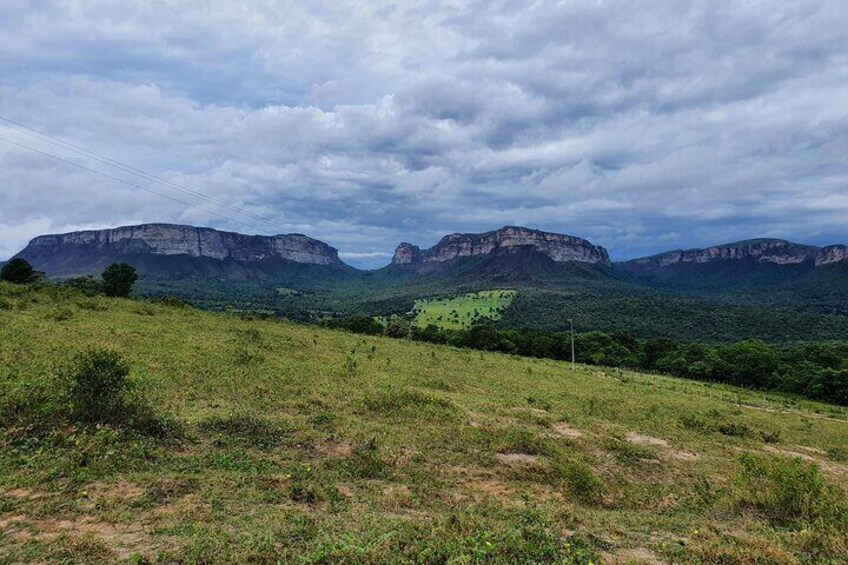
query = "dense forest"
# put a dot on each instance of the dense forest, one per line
(715, 319)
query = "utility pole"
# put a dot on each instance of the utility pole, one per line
(571, 321)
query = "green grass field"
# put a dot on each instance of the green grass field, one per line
(296, 444)
(459, 312)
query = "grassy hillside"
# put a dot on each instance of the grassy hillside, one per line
(289, 443)
(459, 312)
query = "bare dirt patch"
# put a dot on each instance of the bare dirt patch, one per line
(124, 540)
(640, 439)
(564, 429)
(634, 555)
(24, 494)
(516, 458)
(790, 453)
(334, 449)
(122, 490)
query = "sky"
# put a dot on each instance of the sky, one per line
(642, 126)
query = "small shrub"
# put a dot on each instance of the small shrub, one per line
(99, 386)
(626, 452)
(772, 436)
(322, 420)
(88, 286)
(60, 314)
(350, 367)
(173, 302)
(365, 462)
(735, 429)
(244, 429)
(251, 335)
(145, 309)
(580, 480)
(244, 358)
(408, 403)
(99, 392)
(519, 440)
(693, 422)
(839, 454)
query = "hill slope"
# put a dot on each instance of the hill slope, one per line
(308, 445)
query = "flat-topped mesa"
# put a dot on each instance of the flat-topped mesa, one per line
(831, 254)
(775, 251)
(168, 239)
(560, 248)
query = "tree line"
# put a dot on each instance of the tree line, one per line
(814, 370)
(116, 281)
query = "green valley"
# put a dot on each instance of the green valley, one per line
(462, 311)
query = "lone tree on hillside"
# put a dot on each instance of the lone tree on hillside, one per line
(118, 280)
(18, 271)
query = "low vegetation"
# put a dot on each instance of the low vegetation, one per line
(156, 433)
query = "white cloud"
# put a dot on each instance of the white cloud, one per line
(641, 126)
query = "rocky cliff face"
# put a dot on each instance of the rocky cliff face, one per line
(166, 239)
(831, 254)
(774, 251)
(560, 248)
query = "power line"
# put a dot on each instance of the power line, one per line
(109, 161)
(124, 181)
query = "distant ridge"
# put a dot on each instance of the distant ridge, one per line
(180, 250)
(81, 252)
(559, 248)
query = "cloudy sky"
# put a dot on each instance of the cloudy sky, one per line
(642, 126)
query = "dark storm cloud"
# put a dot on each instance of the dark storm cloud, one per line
(642, 126)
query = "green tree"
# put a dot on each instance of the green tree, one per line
(18, 271)
(398, 327)
(748, 363)
(118, 280)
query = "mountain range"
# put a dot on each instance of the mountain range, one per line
(299, 276)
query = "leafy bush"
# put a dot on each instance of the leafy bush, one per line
(100, 392)
(89, 286)
(736, 429)
(99, 386)
(93, 390)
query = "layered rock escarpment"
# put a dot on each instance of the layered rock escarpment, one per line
(832, 254)
(167, 239)
(558, 247)
(775, 251)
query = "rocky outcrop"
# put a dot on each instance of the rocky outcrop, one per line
(774, 251)
(831, 254)
(167, 239)
(406, 253)
(560, 248)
